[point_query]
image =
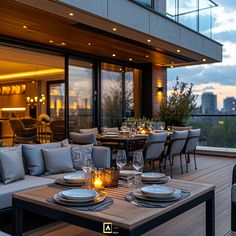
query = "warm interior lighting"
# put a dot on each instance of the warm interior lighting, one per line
(113, 54)
(89, 44)
(63, 44)
(147, 56)
(25, 27)
(14, 109)
(114, 29)
(31, 73)
(71, 13)
(97, 183)
(50, 41)
(204, 59)
(130, 59)
(178, 50)
(149, 40)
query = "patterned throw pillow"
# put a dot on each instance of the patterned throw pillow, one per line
(79, 154)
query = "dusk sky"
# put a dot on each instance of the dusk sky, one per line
(219, 78)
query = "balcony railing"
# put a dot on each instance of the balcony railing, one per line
(216, 130)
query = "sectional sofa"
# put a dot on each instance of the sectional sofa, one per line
(33, 165)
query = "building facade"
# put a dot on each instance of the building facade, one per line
(229, 105)
(209, 103)
(95, 62)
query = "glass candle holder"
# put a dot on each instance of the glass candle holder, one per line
(111, 178)
(97, 179)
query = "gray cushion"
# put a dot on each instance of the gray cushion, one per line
(6, 191)
(80, 153)
(57, 160)
(11, 165)
(34, 158)
(193, 136)
(101, 157)
(233, 193)
(89, 131)
(83, 138)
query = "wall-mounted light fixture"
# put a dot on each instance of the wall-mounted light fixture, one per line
(34, 101)
(160, 89)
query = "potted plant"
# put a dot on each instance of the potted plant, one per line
(177, 108)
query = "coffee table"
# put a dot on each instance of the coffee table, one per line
(127, 219)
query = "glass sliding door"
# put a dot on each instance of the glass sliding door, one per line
(80, 94)
(111, 95)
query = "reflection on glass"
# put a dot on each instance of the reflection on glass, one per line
(111, 95)
(57, 100)
(80, 94)
(147, 3)
(129, 92)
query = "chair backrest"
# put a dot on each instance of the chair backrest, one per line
(109, 129)
(17, 126)
(29, 122)
(83, 138)
(181, 128)
(154, 146)
(57, 126)
(89, 131)
(192, 139)
(177, 142)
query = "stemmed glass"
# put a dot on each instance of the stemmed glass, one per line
(138, 161)
(87, 167)
(162, 126)
(121, 159)
(150, 126)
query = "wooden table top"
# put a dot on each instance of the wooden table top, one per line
(122, 213)
(121, 137)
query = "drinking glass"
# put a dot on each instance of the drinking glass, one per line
(121, 158)
(138, 161)
(124, 126)
(162, 126)
(134, 182)
(150, 126)
(87, 167)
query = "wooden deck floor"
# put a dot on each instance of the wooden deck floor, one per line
(213, 170)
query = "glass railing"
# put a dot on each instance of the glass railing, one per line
(195, 14)
(216, 130)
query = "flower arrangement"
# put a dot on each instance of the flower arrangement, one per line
(44, 118)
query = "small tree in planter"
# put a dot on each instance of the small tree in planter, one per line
(179, 105)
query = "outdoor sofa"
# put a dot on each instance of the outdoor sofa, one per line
(39, 170)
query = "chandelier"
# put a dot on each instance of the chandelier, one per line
(35, 100)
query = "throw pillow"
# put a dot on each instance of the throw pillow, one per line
(79, 154)
(11, 164)
(58, 160)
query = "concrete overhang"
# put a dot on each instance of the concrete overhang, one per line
(171, 44)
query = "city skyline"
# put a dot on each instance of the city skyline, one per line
(219, 78)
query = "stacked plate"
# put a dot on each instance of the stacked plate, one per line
(75, 178)
(78, 197)
(127, 173)
(158, 193)
(152, 177)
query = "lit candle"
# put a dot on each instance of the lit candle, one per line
(143, 131)
(97, 183)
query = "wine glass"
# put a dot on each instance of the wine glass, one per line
(121, 158)
(87, 167)
(138, 161)
(150, 126)
(162, 126)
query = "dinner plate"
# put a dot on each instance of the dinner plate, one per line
(140, 135)
(156, 190)
(78, 177)
(152, 176)
(110, 135)
(79, 194)
(129, 172)
(96, 200)
(71, 184)
(62, 198)
(162, 180)
(175, 196)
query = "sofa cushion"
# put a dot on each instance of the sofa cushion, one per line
(6, 191)
(233, 194)
(11, 164)
(32, 153)
(57, 160)
(79, 154)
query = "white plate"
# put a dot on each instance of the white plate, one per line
(62, 198)
(140, 135)
(162, 180)
(152, 176)
(78, 177)
(175, 196)
(157, 190)
(96, 200)
(110, 135)
(129, 172)
(79, 194)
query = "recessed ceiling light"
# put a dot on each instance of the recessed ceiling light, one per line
(149, 40)
(63, 44)
(25, 27)
(178, 50)
(147, 56)
(113, 54)
(120, 69)
(71, 13)
(130, 59)
(50, 41)
(114, 29)
(89, 44)
(204, 59)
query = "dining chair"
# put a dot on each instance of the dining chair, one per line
(154, 147)
(57, 128)
(175, 147)
(190, 146)
(83, 139)
(89, 131)
(21, 134)
(181, 128)
(109, 129)
(29, 122)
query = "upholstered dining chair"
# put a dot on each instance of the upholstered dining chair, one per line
(89, 131)
(83, 139)
(154, 148)
(190, 146)
(29, 122)
(175, 147)
(57, 128)
(21, 134)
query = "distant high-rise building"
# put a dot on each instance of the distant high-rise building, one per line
(209, 103)
(230, 105)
